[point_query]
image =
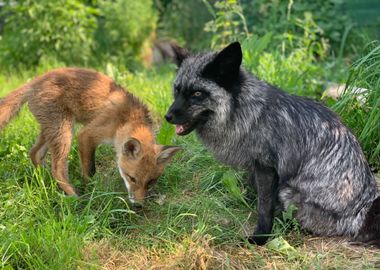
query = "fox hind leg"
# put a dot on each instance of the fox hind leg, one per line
(39, 150)
(59, 144)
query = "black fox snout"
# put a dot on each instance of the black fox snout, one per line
(175, 118)
(176, 115)
(169, 117)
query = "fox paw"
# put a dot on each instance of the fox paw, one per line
(258, 240)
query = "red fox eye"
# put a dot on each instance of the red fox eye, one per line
(151, 182)
(197, 94)
(133, 180)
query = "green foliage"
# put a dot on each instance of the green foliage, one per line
(283, 248)
(166, 133)
(124, 26)
(282, 18)
(296, 72)
(360, 108)
(184, 22)
(75, 31)
(50, 229)
(292, 66)
(286, 221)
(228, 24)
(231, 184)
(41, 29)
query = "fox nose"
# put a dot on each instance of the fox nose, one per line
(137, 206)
(169, 117)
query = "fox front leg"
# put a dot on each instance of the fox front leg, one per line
(265, 181)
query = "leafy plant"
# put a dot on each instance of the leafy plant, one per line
(229, 23)
(41, 29)
(286, 221)
(283, 248)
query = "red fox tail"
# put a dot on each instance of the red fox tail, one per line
(10, 105)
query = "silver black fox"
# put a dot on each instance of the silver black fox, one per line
(296, 151)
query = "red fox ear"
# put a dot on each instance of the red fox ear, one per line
(166, 154)
(132, 148)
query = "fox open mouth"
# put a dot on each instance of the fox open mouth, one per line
(185, 128)
(195, 122)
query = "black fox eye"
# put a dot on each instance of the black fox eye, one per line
(197, 94)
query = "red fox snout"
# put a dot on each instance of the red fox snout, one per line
(141, 164)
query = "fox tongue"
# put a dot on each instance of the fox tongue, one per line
(179, 129)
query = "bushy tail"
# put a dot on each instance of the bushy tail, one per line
(11, 104)
(370, 231)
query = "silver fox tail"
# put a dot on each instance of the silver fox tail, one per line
(370, 231)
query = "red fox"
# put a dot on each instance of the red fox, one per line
(61, 97)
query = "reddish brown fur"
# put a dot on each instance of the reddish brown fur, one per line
(64, 96)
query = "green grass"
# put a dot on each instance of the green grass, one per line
(200, 214)
(361, 109)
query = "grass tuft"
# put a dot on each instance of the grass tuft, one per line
(360, 104)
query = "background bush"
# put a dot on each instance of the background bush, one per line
(283, 18)
(184, 21)
(61, 29)
(76, 32)
(123, 27)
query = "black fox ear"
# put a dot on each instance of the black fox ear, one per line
(226, 65)
(180, 54)
(132, 148)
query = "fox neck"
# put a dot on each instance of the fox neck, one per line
(227, 129)
(230, 115)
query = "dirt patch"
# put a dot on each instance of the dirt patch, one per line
(191, 253)
(199, 253)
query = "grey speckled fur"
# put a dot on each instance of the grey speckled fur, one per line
(296, 150)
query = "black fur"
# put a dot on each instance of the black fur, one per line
(296, 150)
(225, 68)
(370, 232)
